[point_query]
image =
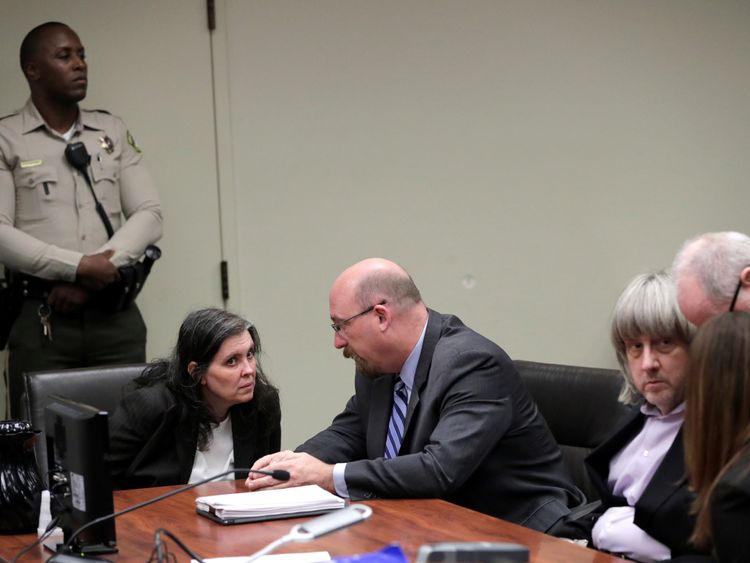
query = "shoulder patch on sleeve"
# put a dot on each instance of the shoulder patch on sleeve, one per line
(132, 143)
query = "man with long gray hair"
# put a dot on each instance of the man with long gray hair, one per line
(639, 469)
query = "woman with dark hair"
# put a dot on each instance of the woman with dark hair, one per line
(717, 436)
(206, 409)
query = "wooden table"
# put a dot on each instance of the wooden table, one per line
(410, 523)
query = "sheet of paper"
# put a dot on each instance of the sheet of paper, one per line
(308, 557)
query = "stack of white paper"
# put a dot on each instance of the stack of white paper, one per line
(277, 502)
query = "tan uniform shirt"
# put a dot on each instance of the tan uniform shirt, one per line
(48, 219)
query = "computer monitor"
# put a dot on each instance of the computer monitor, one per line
(77, 447)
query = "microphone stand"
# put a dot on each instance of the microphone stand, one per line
(278, 474)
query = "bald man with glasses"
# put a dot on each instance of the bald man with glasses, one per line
(439, 411)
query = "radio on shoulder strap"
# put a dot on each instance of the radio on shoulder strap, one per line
(118, 295)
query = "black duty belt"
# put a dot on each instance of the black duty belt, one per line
(34, 288)
(117, 296)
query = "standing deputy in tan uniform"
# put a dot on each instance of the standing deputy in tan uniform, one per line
(53, 240)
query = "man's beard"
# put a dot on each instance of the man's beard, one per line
(363, 366)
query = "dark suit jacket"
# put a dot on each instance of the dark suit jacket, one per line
(473, 435)
(663, 509)
(153, 438)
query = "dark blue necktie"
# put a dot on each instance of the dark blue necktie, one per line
(398, 416)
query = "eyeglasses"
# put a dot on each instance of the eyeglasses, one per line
(736, 294)
(339, 325)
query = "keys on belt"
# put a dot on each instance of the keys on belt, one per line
(45, 312)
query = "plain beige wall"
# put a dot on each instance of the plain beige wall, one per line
(522, 159)
(543, 151)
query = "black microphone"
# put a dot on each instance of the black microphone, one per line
(278, 474)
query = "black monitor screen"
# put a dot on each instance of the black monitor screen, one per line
(77, 447)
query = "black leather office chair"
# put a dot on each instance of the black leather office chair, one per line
(580, 406)
(101, 387)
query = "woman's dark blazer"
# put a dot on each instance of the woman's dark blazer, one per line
(153, 438)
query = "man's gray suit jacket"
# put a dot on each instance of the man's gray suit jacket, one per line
(473, 434)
